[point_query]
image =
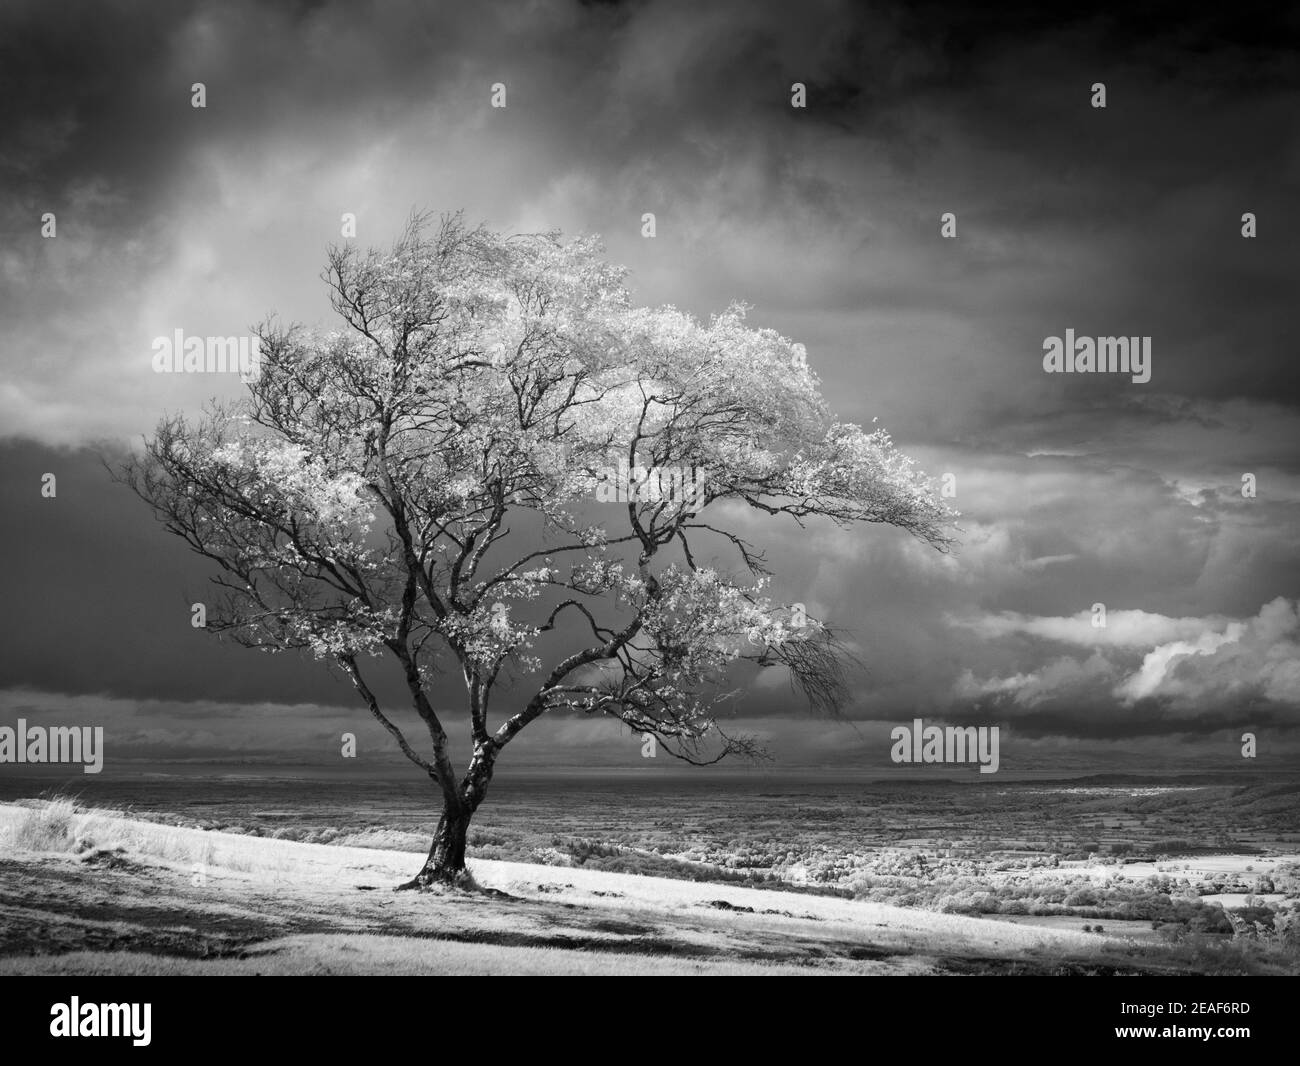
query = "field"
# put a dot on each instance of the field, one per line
(608, 873)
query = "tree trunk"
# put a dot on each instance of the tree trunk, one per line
(445, 864)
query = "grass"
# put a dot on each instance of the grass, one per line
(61, 825)
(179, 890)
(397, 957)
(48, 827)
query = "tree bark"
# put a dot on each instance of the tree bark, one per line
(445, 864)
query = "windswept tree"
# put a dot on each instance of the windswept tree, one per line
(435, 486)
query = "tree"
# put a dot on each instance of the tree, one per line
(437, 484)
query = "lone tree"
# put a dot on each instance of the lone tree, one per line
(437, 485)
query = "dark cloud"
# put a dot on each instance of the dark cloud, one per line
(1075, 489)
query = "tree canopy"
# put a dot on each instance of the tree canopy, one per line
(430, 483)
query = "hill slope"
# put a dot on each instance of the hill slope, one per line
(100, 892)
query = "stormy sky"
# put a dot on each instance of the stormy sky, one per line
(1074, 489)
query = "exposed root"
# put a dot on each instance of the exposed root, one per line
(431, 880)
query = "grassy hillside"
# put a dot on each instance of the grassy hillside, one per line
(92, 891)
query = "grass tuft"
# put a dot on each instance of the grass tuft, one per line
(49, 827)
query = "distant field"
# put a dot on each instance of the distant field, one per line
(939, 845)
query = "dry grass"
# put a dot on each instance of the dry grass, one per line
(61, 825)
(48, 827)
